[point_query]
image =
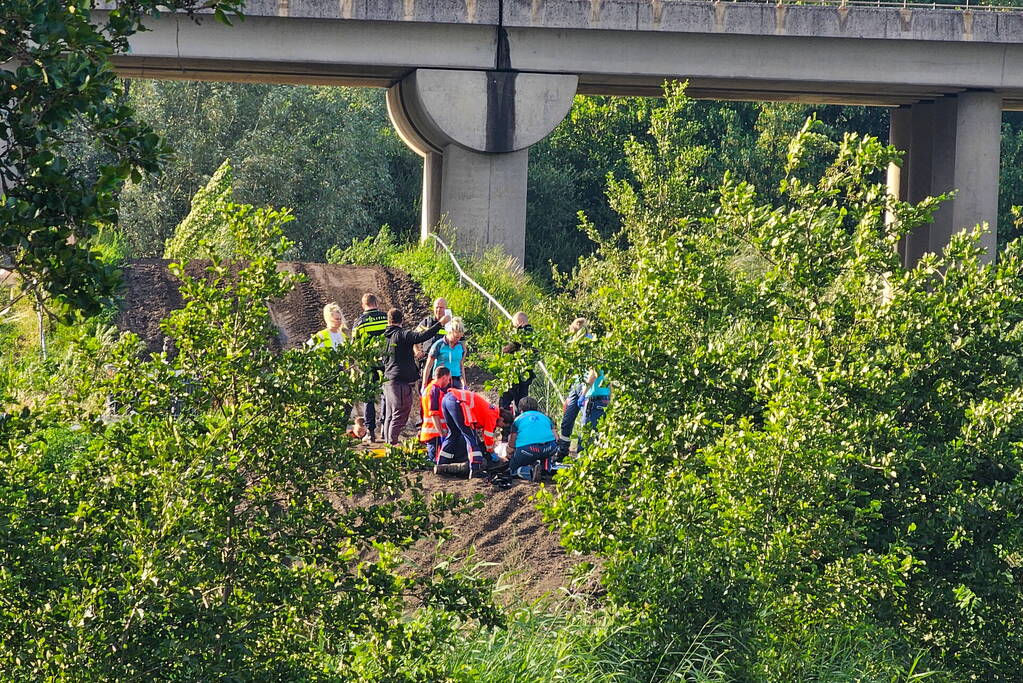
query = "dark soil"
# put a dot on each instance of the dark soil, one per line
(151, 292)
(509, 533)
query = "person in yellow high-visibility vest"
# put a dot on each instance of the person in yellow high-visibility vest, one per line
(333, 335)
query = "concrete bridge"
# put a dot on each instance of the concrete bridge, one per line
(472, 84)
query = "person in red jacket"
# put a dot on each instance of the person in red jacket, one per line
(433, 428)
(472, 423)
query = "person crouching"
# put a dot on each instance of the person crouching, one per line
(466, 413)
(533, 441)
(433, 428)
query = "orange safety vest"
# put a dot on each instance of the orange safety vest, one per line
(479, 414)
(433, 420)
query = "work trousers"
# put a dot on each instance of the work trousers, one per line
(398, 397)
(460, 437)
(570, 416)
(532, 454)
(515, 392)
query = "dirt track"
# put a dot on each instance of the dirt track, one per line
(150, 292)
(508, 532)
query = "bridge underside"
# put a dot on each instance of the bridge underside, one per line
(700, 87)
(457, 75)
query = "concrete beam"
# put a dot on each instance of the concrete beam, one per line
(861, 55)
(473, 130)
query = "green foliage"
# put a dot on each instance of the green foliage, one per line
(215, 224)
(806, 444)
(213, 521)
(568, 642)
(328, 153)
(57, 79)
(601, 136)
(206, 220)
(371, 250)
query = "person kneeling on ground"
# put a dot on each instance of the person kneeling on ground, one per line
(433, 427)
(533, 441)
(465, 412)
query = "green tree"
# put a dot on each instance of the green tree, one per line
(55, 78)
(807, 445)
(569, 169)
(328, 153)
(206, 221)
(218, 524)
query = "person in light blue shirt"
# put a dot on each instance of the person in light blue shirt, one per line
(532, 442)
(598, 395)
(449, 352)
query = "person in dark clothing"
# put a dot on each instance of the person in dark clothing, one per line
(440, 309)
(401, 376)
(518, 391)
(371, 323)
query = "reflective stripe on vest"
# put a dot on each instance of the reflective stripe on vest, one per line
(433, 420)
(474, 406)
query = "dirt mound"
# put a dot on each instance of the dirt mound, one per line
(509, 532)
(151, 292)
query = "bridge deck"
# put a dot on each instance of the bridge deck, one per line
(850, 54)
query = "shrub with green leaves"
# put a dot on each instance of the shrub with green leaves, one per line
(807, 444)
(214, 522)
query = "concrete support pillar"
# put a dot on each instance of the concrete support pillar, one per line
(484, 196)
(900, 136)
(955, 144)
(474, 129)
(900, 131)
(921, 147)
(943, 164)
(433, 177)
(977, 154)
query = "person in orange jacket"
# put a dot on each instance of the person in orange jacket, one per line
(433, 428)
(472, 423)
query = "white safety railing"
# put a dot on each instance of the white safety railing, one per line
(463, 277)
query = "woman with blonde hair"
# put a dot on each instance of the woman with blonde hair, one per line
(333, 335)
(449, 351)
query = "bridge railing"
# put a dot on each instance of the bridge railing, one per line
(893, 4)
(548, 394)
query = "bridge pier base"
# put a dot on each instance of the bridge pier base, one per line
(951, 143)
(473, 130)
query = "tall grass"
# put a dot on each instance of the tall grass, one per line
(570, 642)
(432, 269)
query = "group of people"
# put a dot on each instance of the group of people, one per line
(460, 425)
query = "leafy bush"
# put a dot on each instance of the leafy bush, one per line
(215, 523)
(807, 444)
